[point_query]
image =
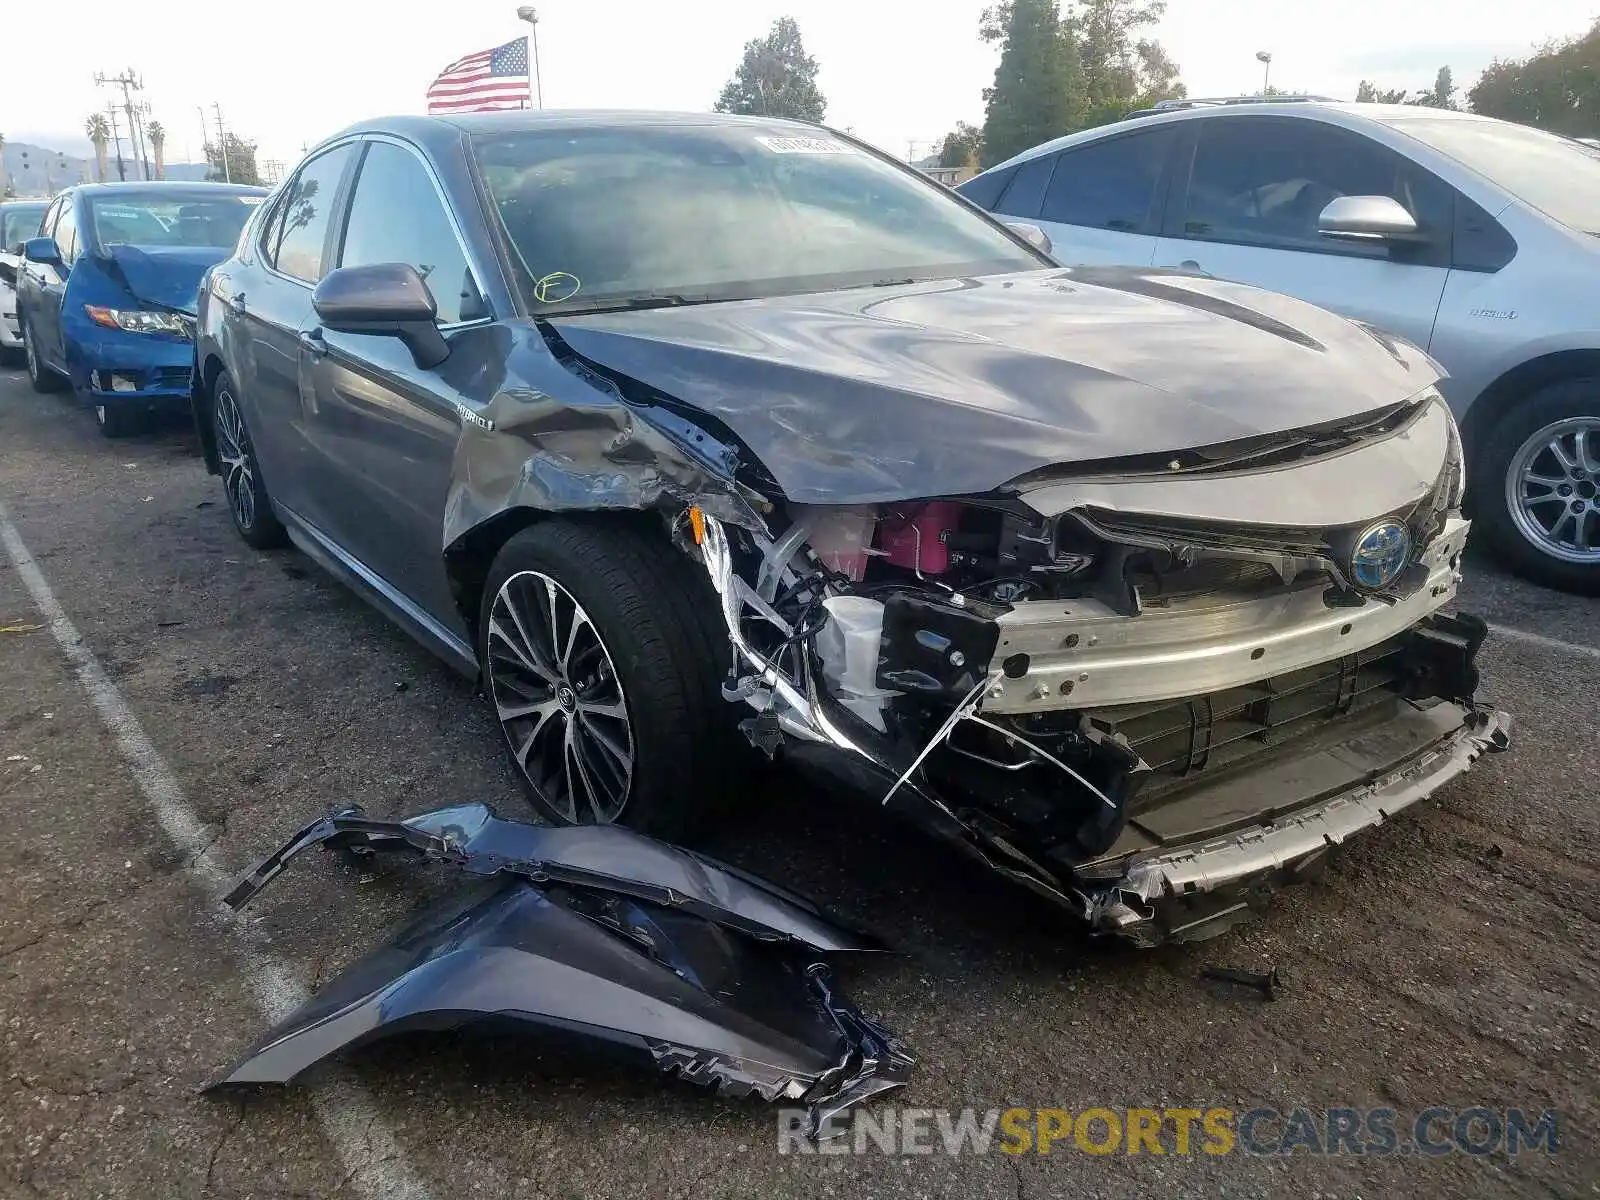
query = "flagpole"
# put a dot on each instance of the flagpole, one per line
(531, 16)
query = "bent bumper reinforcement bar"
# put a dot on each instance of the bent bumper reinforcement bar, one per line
(1151, 890)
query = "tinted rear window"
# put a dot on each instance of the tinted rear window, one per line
(1558, 176)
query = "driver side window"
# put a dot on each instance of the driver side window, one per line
(396, 216)
(1262, 181)
(66, 234)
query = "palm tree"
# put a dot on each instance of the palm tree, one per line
(100, 134)
(158, 147)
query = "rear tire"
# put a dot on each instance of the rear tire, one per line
(1539, 528)
(659, 664)
(41, 377)
(248, 501)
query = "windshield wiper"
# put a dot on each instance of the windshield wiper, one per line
(631, 303)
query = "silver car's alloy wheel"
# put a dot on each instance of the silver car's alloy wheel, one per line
(556, 692)
(1553, 490)
(238, 473)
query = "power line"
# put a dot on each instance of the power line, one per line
(129, 83)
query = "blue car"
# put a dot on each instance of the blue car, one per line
(106, 296)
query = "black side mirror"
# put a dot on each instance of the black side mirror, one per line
(42, 250)
(383, 298)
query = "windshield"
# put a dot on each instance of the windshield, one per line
(597, 217)
(1558, 176)
(18, 223)
(134, 220)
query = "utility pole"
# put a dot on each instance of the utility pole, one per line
(222, 143)
(116, 141)
(129, 83)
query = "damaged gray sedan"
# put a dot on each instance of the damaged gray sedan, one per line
(686, 432)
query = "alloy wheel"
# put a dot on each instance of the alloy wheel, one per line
(1552, 490)
(559, 700)
(233, 449)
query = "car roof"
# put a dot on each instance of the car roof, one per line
(175, 187)
(1337, 112)
(447, 128)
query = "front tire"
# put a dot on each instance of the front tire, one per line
(248, 501)
(1538, 486)
(604, 672)
(40, 377)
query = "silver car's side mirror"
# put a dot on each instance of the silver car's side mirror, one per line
(1032, 234)
(1367, 219)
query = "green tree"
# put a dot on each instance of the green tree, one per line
(962, 146)
(234, 161)
(1038, 84)
(1369, 93)
(1121, 71)
(1557, 89)
(776, 78)
(1441, 94)
(99, 133)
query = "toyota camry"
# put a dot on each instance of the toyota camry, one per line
(690, 434)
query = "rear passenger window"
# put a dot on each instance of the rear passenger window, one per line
(298, 227)
(1026, 193)
(1111, 184)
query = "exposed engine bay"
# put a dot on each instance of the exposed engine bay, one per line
(1076, 691)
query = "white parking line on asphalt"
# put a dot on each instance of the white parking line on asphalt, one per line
(1547, 643)
(365, 1144)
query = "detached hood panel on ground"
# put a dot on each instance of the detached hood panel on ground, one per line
(959, 386)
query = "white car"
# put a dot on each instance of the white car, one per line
(19, 221)
(1476, 239)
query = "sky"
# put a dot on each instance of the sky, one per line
(899, 73)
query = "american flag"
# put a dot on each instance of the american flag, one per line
(484, 81)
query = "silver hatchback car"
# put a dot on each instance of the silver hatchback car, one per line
(1476, 239)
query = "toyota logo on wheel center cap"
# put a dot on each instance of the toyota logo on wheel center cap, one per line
(566, 697)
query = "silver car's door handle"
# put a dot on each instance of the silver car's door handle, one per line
(311, 342)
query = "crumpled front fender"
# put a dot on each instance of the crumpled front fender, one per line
(602, 936)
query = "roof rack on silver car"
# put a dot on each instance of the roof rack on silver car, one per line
(1162, 106)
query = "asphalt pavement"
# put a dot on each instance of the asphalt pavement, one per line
(172, 703)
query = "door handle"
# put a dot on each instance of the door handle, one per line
(311, 342)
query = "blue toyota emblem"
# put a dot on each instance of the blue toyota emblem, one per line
(1382, 552)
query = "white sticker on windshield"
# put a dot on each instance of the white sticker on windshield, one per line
(805, 145)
